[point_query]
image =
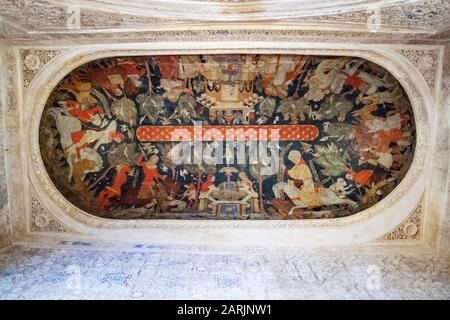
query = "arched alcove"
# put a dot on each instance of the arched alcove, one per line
(270, 136)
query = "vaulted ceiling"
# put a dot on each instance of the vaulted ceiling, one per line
(408, 19)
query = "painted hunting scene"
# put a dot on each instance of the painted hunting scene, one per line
(227, 136)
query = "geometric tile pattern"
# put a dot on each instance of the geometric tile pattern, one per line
(88, 270)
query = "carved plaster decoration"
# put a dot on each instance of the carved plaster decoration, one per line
(401, 19)
(33, 61)
(13, 160)
(426, 62)
(410, 229)
(264, 33)
(424, 14)
(236, 9)
(11, 99)
(29, 14)
(43, 220)
(5, 216)
(440, 176)
(421, 14)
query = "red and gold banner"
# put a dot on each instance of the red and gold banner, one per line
(305, 132)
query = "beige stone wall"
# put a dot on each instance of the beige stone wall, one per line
(5, 217)
(444, 244)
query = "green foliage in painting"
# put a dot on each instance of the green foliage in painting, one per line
(331, 159)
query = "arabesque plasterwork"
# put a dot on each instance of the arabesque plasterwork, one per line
(12, 150)
(410, 228)
(426, 16)
(42, 220)
(417, 99)
(426, 61)
(33, 60)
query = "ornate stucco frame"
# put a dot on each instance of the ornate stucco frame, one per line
(368, 225)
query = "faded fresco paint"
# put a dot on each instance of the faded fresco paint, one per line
(227, 136)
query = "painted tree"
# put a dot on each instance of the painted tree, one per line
(228, 172)
(167, 160)
(123, 153)
(200, 170)
(283, 151)
(256, 173)
(333, 161)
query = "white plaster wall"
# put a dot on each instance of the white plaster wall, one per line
(442, 190)
(5, 217)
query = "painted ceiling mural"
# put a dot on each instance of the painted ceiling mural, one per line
(227, 136)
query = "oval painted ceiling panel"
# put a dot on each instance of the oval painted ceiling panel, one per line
(227, 136)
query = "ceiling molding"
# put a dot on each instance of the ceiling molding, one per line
(38, 19)
(234, 10)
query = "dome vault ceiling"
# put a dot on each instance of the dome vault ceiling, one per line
(410, 19)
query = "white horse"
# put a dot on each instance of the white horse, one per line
(327, 197)
(67, 125)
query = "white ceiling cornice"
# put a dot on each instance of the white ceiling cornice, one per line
(234, 10)
(20, 19)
